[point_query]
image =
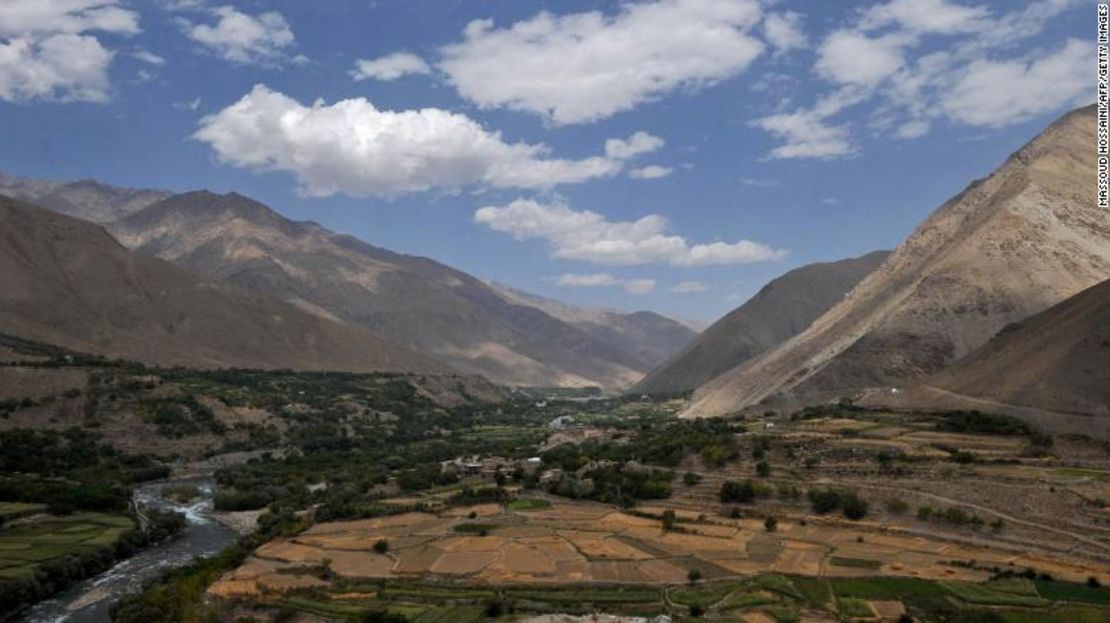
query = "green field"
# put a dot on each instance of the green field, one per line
(528, 504)
(15, 510)
(25, 546)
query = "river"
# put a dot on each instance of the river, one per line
(90, 600)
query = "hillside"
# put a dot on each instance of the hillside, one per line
(415, 301)
(780, 310)
(1011, 245)
(67, 282)
(1055, 361)
(84, 199)
(646, 337)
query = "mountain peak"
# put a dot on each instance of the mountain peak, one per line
(1010, 245)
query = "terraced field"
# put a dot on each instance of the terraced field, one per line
(26, 545)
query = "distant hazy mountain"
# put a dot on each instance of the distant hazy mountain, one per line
(645, 337)
(1025, 238)
(84, 199)
(68, 282)
(415, 301)
(778, 312)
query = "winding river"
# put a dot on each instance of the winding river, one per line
(90, 600)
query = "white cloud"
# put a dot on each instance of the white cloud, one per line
(389, 67)
(806, 135)
(997, 93)
(589, 236)
(650, 172)
(584, 67)
(759, 182)
(47, 51)
(850, 57)
(595, 280)
(783, 31)
(639, 143)
(354, 148)
(149, 57)
(691, 287)
(982, 73)
(926, 16)
(24, 18)
(244, 39)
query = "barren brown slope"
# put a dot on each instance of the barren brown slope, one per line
(1057, 360)
(85, 199)
(778, 312)
(67, 282)
(415, 301)
(1011, 245)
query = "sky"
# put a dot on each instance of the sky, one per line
(671, 155)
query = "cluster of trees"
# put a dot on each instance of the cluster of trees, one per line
(621, 484)
(824, 501)
(956, 516)
(70, 470)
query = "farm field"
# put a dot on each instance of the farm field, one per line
(577, 542)
(26, 546)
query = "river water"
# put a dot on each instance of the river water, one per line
(90, 600)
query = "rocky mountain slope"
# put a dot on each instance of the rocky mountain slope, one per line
(84, 199)
(68, 282)
(1011, 245)
(1057, 360)
(780, 310)
(415, 301)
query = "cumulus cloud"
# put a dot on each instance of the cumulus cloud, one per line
(584, 67)
(389, 67)
(595, 280)
(690, 287)
(589, 236)
(850, 57)
(244, 39)
(806, 135)
(997, 93)
(353, 147)
(639, 143)
(650, 172)
(783, 31)
(48, 49)
(975, 78)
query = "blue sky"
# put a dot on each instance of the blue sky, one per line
(671, 155)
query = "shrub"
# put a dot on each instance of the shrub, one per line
(381, 546)
(771, 524)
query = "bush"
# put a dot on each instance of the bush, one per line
(854, 507)
(381, 546)
(690, 479)
(763, 469)
(824, 500)
(694, 576)
(897, 506)
(771, 524)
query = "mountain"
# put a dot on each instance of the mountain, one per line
(1055, 363)
(68, 282)
(415, 301)
(1011, 245)
(778, 312)
(84, 199)
(646, 338)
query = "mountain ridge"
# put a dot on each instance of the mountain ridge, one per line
(781, 309)
(68, 282)
(1007, 246)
